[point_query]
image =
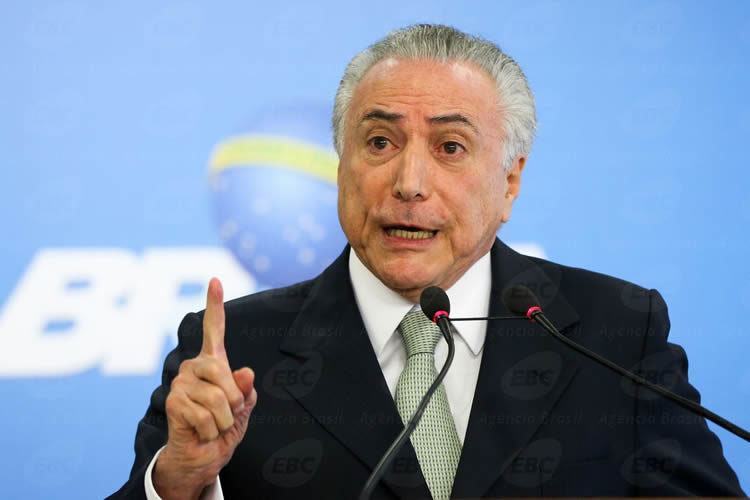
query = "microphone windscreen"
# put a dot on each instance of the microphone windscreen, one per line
(434, 299)
(519, 299)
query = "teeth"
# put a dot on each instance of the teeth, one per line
(410, 234)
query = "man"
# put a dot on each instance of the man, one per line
(433, 128)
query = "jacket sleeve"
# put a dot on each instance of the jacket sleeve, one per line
(675, 453)
(152, 429)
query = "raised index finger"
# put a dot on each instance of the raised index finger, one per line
(213, 320)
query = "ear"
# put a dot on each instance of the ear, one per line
(512, 186)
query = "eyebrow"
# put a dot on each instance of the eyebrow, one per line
(379, 114)
(454, 118)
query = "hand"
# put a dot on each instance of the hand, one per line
(208, 408)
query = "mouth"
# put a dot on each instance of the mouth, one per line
(409, 232)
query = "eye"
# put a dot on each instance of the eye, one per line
(451, 147)
(379, 142)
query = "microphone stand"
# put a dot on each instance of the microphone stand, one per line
(539, 317)
(390, 454)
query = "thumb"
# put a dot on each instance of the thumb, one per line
(244, 378)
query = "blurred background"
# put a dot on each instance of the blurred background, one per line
(146, 146)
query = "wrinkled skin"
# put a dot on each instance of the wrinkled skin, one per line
(423, 148)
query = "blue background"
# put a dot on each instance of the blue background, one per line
(110, 111)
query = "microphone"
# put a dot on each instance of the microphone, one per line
(435, 305)
(522, 302)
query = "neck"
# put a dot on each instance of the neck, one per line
(413, 294)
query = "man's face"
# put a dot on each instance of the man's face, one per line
(422, 189)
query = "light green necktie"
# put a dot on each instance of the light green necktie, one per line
(435, 439)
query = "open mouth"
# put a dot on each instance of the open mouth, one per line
(410, 232)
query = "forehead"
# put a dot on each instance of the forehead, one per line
(427, 87)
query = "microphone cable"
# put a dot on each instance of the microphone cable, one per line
(440, 317)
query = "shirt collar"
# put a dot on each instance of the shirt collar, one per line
(382, 309)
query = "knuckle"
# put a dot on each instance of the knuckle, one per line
(215, 397)
(211, 369)
(215, 370)
(172, 404)
(204, 420)
(236, 400)
(186, 365)
(177, 382)
(227, 423)
(208, 430)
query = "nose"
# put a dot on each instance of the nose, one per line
(411, 180)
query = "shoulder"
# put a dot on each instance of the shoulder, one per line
(258, 321)
(615, 317)
(586, 290)
(272, 306)
(259, 314)
(272, 301)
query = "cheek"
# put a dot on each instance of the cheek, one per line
(352, 201)
(368, 187)
(478, 213)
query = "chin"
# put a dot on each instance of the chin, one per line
(407, 275)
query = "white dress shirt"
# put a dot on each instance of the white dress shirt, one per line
(382, 310)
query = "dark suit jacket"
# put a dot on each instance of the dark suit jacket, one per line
(544, 421)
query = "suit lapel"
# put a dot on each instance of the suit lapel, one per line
(350, 399)
(523, 373)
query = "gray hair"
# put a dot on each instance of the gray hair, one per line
(444, 43)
